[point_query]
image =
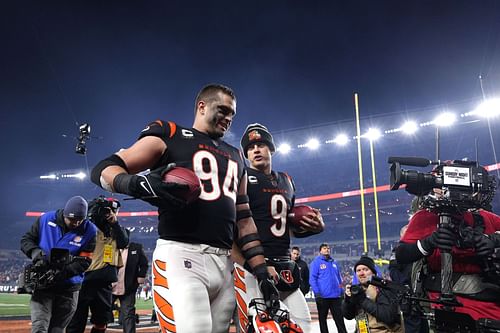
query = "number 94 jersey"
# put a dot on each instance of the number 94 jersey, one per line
(219, 166)
(271, 198)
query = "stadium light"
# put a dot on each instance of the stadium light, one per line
(51, 176)
(489, 108)
(445, 119)
(410, 127)
(312, 144)
(284, 148)
(341, 139)
(373, 134)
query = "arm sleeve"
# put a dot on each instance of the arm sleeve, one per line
(313, 277)
(143, 263)
(348, 309)
(408, 253)
(385, 309)
(120, 235)
(30, 239)
(339, 277)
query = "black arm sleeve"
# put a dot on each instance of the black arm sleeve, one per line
(348, 308)
(385, 308)
(120, 236)
(29, 241)
(143, 263)
(408, 253)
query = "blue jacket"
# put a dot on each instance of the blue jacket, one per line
(51, 235)
(325, 278)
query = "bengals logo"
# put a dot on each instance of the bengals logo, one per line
(254, 135)
(286, 275)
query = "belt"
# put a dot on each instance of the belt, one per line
(214, 250)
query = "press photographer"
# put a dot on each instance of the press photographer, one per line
(375, 310)
(55, 277)
(96, 292)
(455, 234)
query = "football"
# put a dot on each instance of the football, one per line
(297, 213)
(184, 176)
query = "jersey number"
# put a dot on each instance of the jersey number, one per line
(209, 176)
(279, 212)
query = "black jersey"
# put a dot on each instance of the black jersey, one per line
(220, 167)
(271, 198)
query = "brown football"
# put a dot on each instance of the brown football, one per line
(297, 213)
(184, 176)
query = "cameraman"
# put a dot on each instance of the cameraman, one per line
(472, 243)
(375, 310)
(53, 307)
(96, 292)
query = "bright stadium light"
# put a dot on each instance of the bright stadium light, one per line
(489, 108)
(341, 139)
(373, 134)
(445, 119)
(284, 148)
(80, 175)
(409, 127)
(312, 144)
(51, 176)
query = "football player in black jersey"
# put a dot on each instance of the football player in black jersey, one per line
(192, 281)
(272, 195)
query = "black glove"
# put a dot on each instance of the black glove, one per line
(484, 244)
(151, 188)
(266, 286)
(38, 257)
(442, 238)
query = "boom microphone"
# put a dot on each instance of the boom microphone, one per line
(414, 161)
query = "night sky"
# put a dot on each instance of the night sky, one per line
(121, 64)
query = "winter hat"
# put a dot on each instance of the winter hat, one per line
(368, 262)
(257, 133)
(76, 207)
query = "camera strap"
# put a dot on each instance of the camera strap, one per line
(362, 323)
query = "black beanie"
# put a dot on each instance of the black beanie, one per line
(368, 262)
(76, 207)
(257, 133)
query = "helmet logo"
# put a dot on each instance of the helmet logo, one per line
(254, 135)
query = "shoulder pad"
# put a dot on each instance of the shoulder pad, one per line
(159, 128)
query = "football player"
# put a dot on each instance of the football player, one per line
(272, 196)
(192, 281)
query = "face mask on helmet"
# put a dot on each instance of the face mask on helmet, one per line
(270, 320)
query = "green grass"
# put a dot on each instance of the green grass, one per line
(14, 305)
(18, 305)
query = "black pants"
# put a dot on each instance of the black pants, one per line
(97, 296)
(334, 305)
(127, 312)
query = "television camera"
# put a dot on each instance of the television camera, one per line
(43, 274)
(442, 321)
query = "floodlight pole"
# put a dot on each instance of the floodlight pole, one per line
(374, 176)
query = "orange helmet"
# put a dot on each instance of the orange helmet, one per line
(262, 319)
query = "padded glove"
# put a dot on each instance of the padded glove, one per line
(266, 286)
(38, 257)
(442, 238)
(151, 188)
(484, 244)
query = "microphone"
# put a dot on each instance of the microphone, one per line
(414, 161)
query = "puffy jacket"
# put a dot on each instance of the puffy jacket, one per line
(325, 278)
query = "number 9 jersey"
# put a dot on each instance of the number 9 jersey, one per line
(271, 198)
(219, 166)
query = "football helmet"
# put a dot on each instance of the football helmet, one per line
(276, 319)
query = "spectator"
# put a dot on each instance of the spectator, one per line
(130, 277)
(303, 268)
